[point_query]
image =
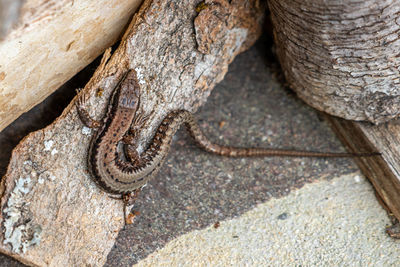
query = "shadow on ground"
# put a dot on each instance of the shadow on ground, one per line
(195, 189)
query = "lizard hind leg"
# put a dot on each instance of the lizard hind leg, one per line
(129, 199)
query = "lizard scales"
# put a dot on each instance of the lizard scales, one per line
(119, 176)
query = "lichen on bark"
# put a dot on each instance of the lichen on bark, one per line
(78, 222)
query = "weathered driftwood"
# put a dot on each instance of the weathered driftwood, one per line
(341, 57)
(50, 42)
(52, 212)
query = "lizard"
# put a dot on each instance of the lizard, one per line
(125, 173)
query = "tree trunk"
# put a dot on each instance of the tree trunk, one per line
(341, 57)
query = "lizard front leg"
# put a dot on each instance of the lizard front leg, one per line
(130, 139)
(84, 115)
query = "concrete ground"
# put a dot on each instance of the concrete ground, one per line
(327, 223)
(203, 209)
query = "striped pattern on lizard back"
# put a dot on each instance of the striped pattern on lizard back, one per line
(122, 176)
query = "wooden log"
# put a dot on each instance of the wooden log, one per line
(51, 42)
(52, 213)
(341, 57)
(382, 171)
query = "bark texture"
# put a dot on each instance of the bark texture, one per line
(341, 57)
(51, 42)
(52, 213)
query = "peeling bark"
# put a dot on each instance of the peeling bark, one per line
(52, 212)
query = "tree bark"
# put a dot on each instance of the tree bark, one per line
(341, 57)
(52, 212)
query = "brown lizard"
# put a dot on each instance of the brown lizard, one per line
(117, 175)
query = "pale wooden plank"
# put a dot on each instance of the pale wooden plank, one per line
(52, 42)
